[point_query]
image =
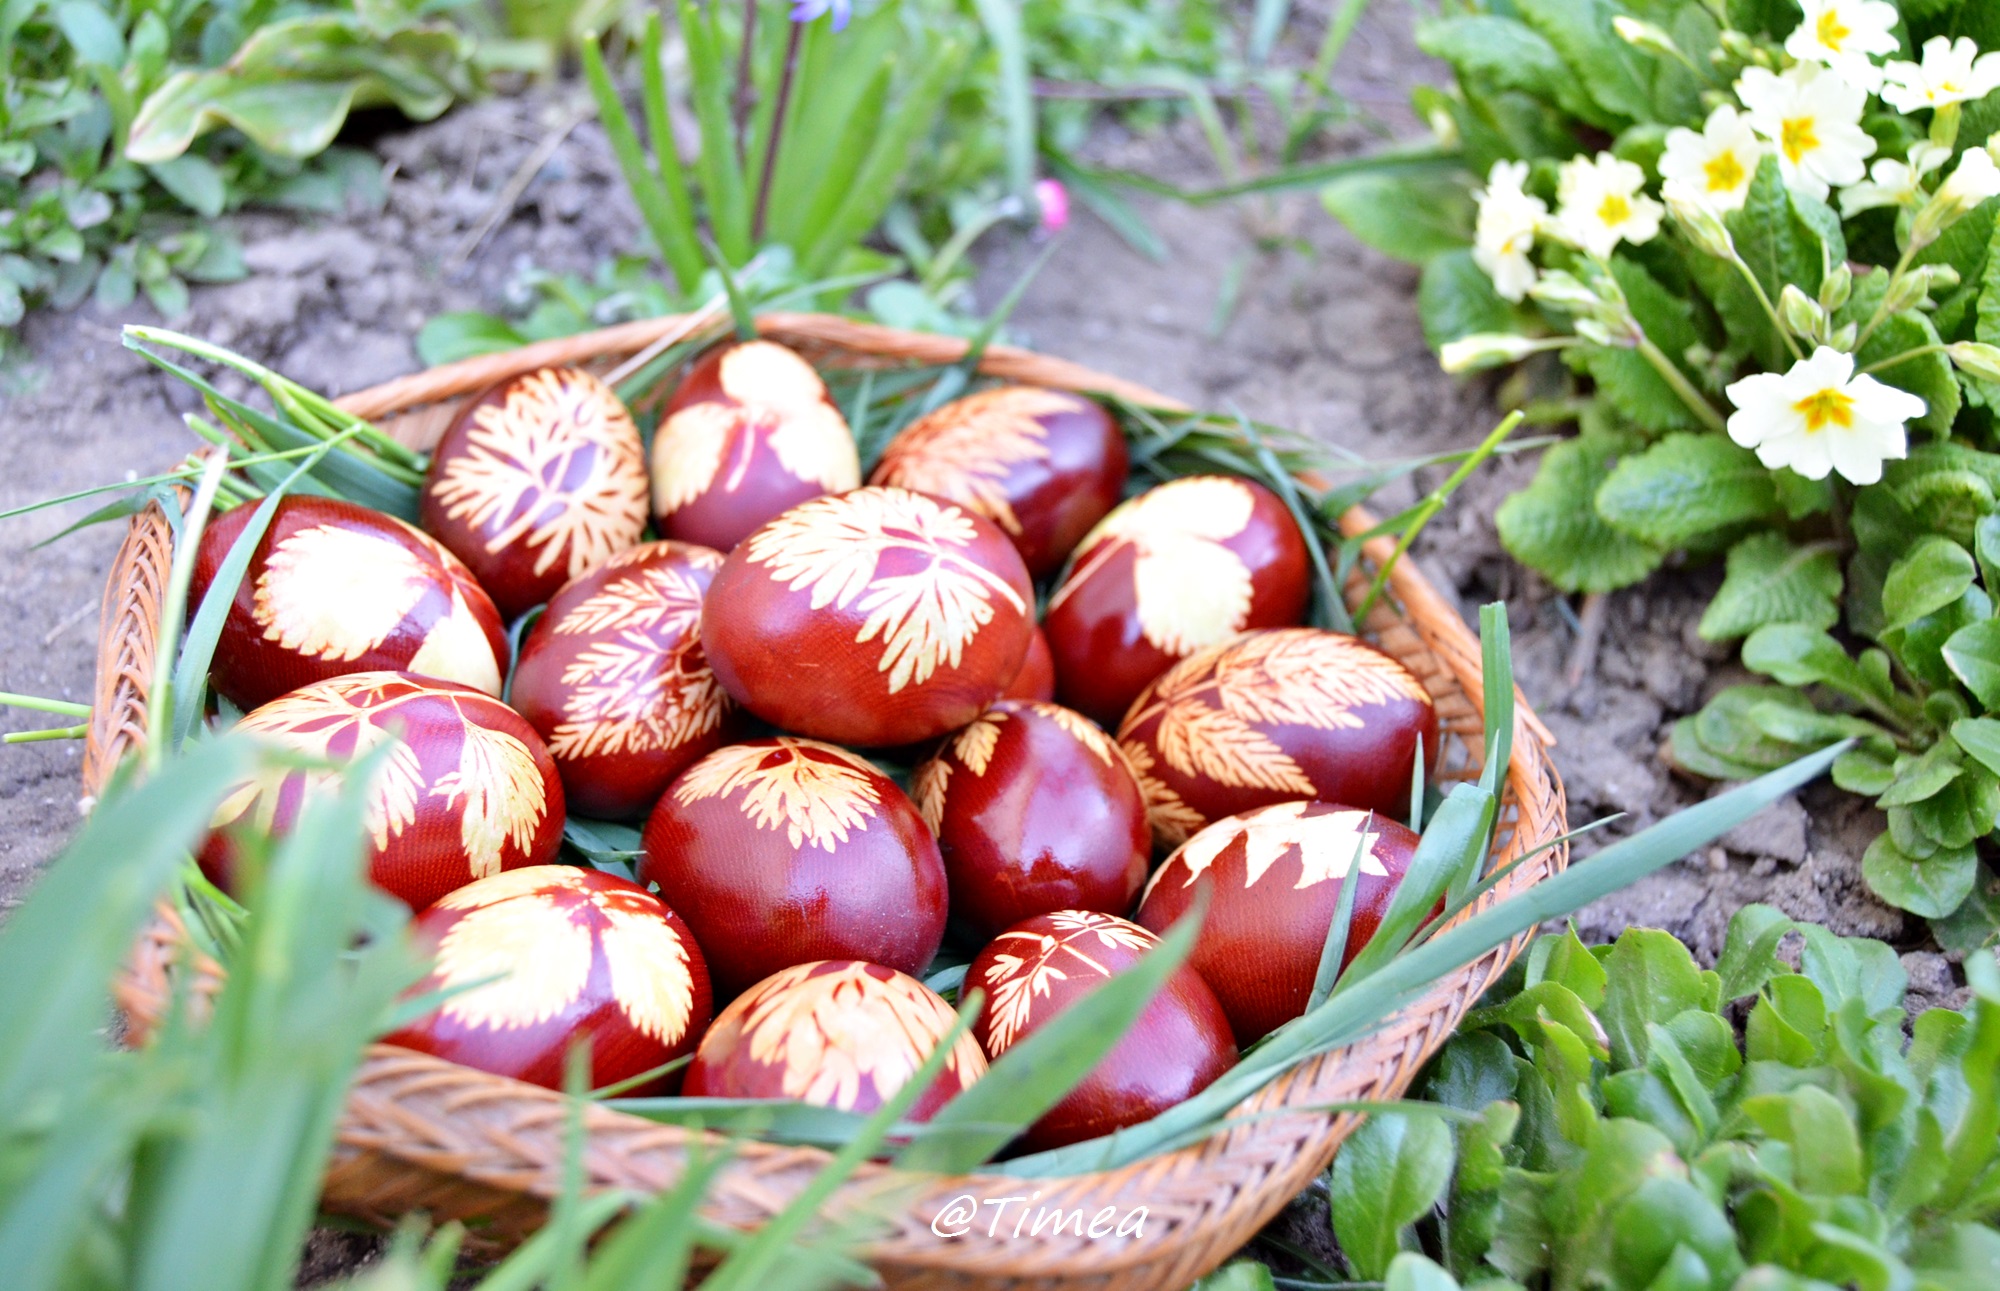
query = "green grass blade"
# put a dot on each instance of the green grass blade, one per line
(1037, 1073)
(722, 182)
(1105, 202)
(1454, 844)
(685, 258)
(673, 236)
(1267, 23)
(1002, 21)
(1335, 949)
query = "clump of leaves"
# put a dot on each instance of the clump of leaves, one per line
(105, 179)
(1601, 1122)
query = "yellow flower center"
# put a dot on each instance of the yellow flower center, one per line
(1797, 137)
(1831, 31)
(1823, 408)
(1614, 210)
(1724, 172)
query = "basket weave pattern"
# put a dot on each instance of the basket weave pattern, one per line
(420, 1134)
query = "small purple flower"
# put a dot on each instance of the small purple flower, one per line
(1052, 204)
(808, 10)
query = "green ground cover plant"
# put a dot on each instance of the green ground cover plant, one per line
(1746, 246)
(1619, 1117)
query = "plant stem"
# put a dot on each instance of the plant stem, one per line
(1670, 373)
(52, 733)
(1431, 505)
(60, 707)
(1770, 310)
(744, 90)
(173, 612)
(1881, 313)
(777, 130)
(1904, 357)
(961, 241)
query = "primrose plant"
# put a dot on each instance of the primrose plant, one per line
(1745, 245)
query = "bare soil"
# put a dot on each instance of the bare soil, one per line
(1324, 338)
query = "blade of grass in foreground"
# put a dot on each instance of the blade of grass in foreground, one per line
(1352, 1013)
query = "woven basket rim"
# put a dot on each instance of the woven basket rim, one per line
(423, 1134)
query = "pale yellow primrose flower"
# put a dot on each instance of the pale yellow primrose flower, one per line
(1509, 218)
(1842, 34)
(1813, 118)
(1599, 205)
(1952, 72)
(1713, 168)
(1820, 417)
(1895, 183)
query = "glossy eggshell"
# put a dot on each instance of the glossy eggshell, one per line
(1274, 876)
(334, 588)
(1044, 465)
(614, 678)
(470, 791)
(563, 954)
(537, 480)
(750, 432)
(780, 851)
(1037, 676)
(1185, 565)
(1041, 966)
(1276, 716)
(1034, 810)
(879, 617)
(836, 1033)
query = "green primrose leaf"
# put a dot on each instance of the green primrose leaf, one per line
(1686, 489)
(1455, 298)
(1750, 951)
(1772, 580)
(1408, 217)
(1555, 526)
(1933, 574)
(1932, 887)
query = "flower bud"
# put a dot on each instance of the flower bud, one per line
(1559, 289)
(1843, 337)
(1592, 330)
(1905, 291)
(1801, 314)
(1703, 227)
(1941, 277)
(1645, 35)
(1738, 46)
(1836, 287)
(1491, 349)
(1975, 358)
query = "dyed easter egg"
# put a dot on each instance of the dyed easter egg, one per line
(1274, 875)
(1276, 716)
(537, 480)
(614, 678)
(878, 617)
(334, 588)
(539, 958)
(1034, 810)
(780, 851)
(467, 792)
(838, 1033)
(1044, 465)
(1037, 677)
(750, 432)
(1185, 565)
(1041, 966)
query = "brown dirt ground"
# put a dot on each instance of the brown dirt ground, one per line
(1324, 338)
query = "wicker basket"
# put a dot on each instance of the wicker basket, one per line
(420, 1134)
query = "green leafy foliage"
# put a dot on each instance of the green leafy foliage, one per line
(109, 190)
(1770, 579)
(1629, 1137)
(1554, 524)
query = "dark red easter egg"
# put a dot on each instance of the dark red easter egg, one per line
(1041, 966)
(1185, 565)
(751, 431)
(334, 588)
(1044, 465)
(877, 617)
(1274, 877)
(614, 678)
(540, 958)
(537, 480)
(1034, 810)
(1276, 716)
(780, 851)
(469, 790)
(837, 1033)
(1037, 677)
